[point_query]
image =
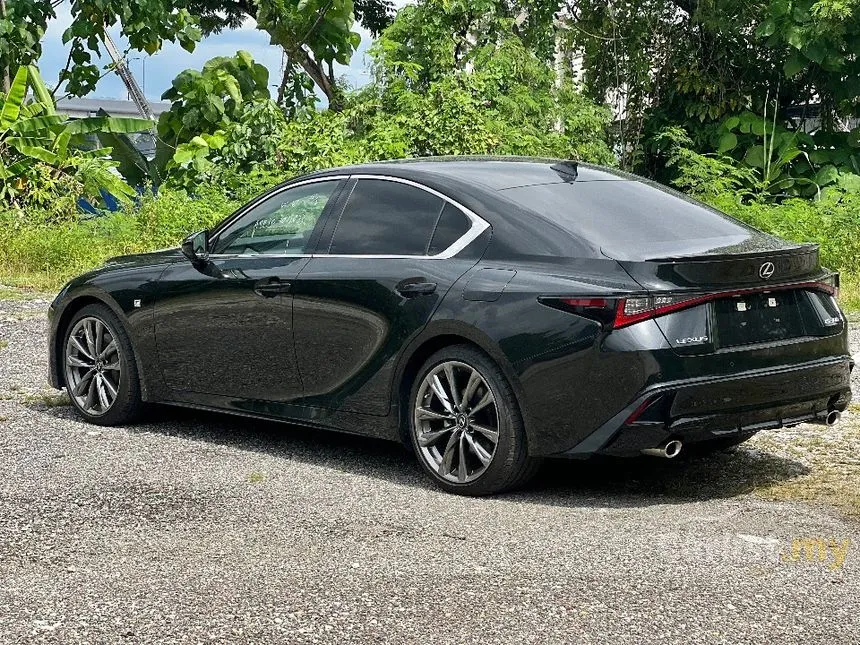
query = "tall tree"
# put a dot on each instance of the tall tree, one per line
(696, 62)
(313, 33)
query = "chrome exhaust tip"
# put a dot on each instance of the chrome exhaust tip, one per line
(669, 451)
(833, 417)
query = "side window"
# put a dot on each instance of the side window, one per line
(386, 218)
(279, 225)
(452, 225)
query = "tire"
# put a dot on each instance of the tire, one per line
(442, 434)
(113, 374)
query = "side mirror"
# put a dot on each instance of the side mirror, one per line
(196, 247)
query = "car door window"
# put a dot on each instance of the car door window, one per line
(386, 218)
(281, 224)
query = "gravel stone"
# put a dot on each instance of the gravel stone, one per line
(197, 528)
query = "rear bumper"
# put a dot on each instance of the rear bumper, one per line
(701, 409)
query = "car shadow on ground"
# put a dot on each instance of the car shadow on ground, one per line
(595, 482)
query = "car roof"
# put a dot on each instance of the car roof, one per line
(494, 173)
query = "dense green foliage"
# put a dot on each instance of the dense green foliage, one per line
(710, 66)
(44, 255)
(145, 23)
(312, 33)
(41, 161)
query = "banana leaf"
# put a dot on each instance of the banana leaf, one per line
(35, 124)
(109, 124)
(29, 148)
(40, 90)
(14, 99)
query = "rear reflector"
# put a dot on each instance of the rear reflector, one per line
(618, 312)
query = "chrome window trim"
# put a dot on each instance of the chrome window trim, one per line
(479, 225)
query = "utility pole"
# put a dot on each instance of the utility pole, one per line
(122, 70)
(6, 82)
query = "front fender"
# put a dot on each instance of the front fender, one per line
(132, 298)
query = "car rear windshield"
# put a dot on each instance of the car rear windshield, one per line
(633, 220)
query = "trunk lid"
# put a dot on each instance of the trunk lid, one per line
(753, 297)
(727, 270)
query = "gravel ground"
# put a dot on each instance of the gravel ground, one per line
(194, 528)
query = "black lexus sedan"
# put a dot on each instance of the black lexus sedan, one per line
(486, 312)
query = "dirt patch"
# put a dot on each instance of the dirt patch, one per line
(831, 455)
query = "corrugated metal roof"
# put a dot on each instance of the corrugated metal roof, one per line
(83, 107)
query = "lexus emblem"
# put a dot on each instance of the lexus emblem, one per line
(766, 270)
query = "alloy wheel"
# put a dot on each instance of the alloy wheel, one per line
(456, 422)
(92, 366)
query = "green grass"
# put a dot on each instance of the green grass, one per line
(849, 293)
(11, 293)
(49, 399)
(42, 255)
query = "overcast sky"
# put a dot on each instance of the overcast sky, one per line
(154, 73)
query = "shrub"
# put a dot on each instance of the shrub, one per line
(44, 255)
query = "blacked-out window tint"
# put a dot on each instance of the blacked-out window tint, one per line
(452, 225)
(632, 219)
(386, 218)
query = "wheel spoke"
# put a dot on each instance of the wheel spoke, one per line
(461, 469)
(99, 337)
(439, 391)
(102, 392)
(471, 386)
(452, 384)
(111, 388)
(90, 401)
(427, 413)
(484, 402)
(90, 338)
(446, 465)
(111, 366)
(429, 438)
(111, 347)
(81, 349)
(489, 433)
(74, 361)
(82, 385)
(478, 450)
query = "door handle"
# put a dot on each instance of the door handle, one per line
(271, 287)
(411, 289)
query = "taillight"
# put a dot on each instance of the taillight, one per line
(600, 309)
(622, 311)
(634, 309)
(830, 284)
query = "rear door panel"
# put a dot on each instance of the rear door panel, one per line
(350, 322)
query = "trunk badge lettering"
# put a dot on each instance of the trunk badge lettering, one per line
(766, 270)
(691, 339)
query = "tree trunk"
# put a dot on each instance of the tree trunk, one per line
(315, 71)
